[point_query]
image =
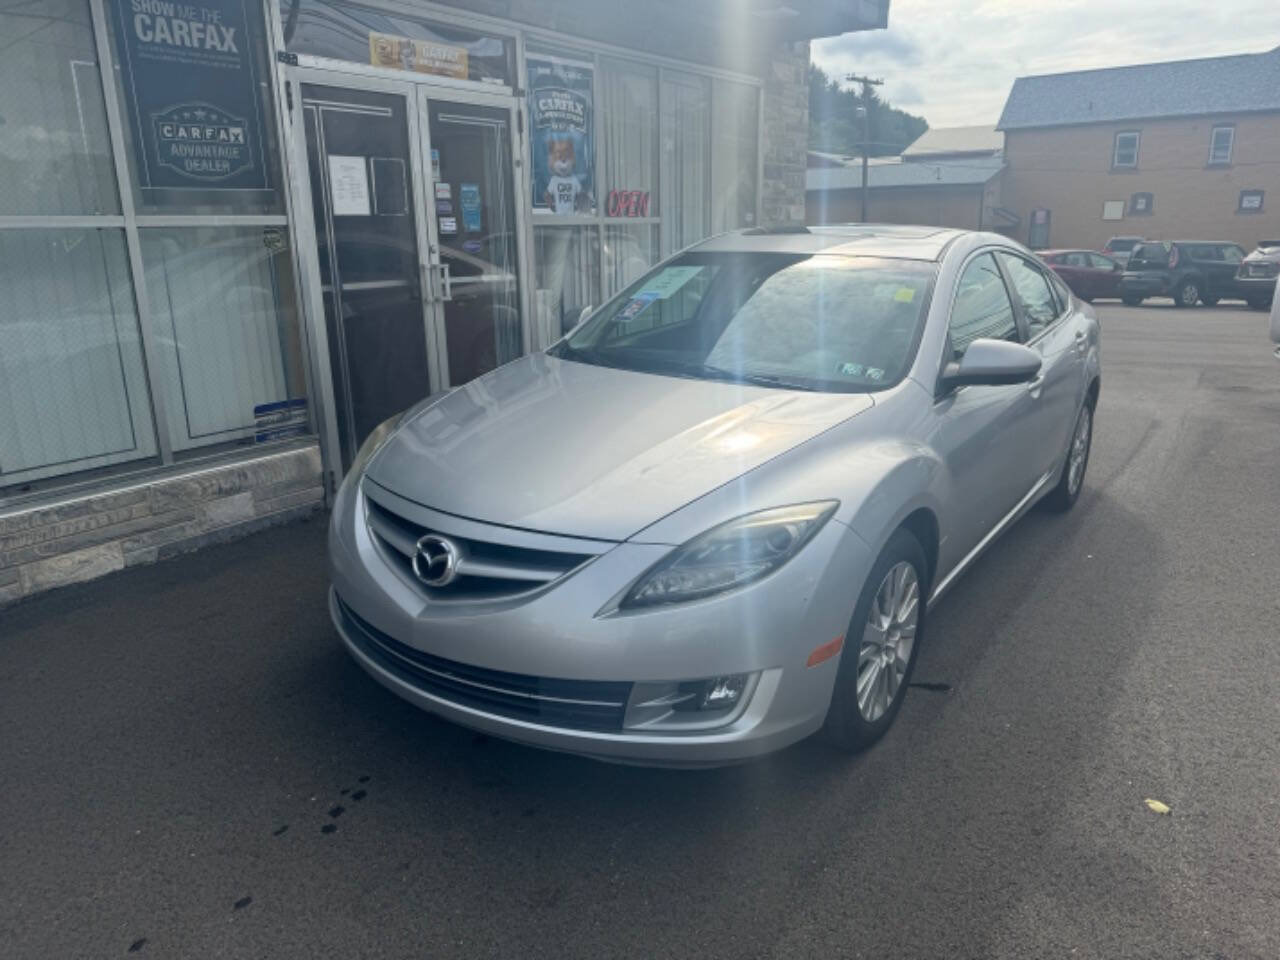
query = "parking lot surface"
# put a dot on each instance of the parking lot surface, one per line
(193, 767)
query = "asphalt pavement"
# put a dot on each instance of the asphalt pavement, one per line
(193, 768)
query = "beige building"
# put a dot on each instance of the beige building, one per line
(1189, 149)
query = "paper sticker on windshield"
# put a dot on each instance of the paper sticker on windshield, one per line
(636, 307)
(852, 369)
(875, 373)
(669, 281)
(905, 294)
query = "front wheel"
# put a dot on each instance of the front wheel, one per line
(1131, 301)
(1187, 294)
(880, 647)
(1209, 301)
(1259, 303)
(1064, 496)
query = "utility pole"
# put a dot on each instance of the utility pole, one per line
(867, 84)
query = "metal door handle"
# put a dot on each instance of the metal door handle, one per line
(446, 282)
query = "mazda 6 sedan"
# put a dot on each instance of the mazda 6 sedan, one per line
(712, 520)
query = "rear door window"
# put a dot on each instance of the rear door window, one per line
(1149, 255)
(1032, 288)
(982, 309)
(1099, 262)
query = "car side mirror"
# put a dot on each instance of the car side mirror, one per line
(586, 312)
(991, 363)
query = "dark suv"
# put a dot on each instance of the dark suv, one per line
(1190, 271)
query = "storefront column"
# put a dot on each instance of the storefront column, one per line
(786, 134)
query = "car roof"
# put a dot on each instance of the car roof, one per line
(861, 240)
(1055, 250)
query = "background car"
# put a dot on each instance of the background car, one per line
(1256, 277)
(711, 520)
(1189, 271)
(1119, 248)
(1088, 274)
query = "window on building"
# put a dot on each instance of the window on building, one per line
(734, 150)
(686, 159)
(1142, 204)
(225, 327)
(1250, 201)
(982, 309)
(392, 40)
(567, 277)
(1038, 229)
(1221, 142)
(1125, 153)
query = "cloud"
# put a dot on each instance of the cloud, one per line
(954, 63)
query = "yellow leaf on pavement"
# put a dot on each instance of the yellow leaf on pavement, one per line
(1157, 807)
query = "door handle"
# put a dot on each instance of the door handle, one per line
(446, 282)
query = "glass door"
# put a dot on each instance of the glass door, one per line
(366, 196)
(474, 233)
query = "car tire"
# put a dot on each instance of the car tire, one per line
(1209, 301)
(854, 723)
(1259, 303)
(1187, 294)
(1132, 301)
(1071, 481)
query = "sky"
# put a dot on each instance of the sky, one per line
(953, 61)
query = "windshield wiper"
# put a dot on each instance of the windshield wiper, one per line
(756, 379)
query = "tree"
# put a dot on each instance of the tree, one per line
(834, 126)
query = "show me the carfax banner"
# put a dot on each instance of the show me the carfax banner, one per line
(190, 77)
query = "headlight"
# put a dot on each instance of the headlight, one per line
(730, 555)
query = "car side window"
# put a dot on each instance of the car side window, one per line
(1099, 262)
(1232, 254)
(982, 309)
(1033, 290)
(1076, 260)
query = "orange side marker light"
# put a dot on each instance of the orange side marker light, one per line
(825, 652)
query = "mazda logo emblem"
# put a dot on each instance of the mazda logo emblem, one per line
(435, 560)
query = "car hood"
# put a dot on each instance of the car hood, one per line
(589, 451)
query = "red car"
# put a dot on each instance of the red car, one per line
(1088, 274)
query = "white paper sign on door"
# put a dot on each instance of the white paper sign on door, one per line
(349, 186)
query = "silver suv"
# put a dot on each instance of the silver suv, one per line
(713, 518)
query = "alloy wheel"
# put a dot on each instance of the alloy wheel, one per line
(887, 640)
(1079, 455)
(1190, 295)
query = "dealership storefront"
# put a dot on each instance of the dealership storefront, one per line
(237, 233)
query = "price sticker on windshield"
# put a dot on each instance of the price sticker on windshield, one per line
(669, 281)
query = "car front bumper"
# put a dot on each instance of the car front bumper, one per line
(765, 631)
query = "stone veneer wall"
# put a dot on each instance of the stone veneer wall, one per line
(45, 546)
(785, 134)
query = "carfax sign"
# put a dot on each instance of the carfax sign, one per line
(190, 75)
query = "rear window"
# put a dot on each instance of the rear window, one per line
(1120, 246)
(1150, 254)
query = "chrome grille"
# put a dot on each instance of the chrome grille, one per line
(575, 704)
(487, 569)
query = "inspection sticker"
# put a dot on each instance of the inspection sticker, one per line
(636, 307)
(905, 295)
(851, 369)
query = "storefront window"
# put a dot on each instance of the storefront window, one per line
(197, 106)
(629, 112)
(686, 159)
(55, 155)
(225, 327)
(734, 149)
(567, 268)
(347, 31)
(73, 393)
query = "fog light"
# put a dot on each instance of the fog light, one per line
(722, 692)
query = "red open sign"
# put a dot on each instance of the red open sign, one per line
(627, 203)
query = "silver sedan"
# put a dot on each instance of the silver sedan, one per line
(712, 519)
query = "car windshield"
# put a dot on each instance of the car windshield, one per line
(791, 321)
(1120, 246)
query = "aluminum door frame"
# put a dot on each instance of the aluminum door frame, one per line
(305, 235)
(427, 95)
